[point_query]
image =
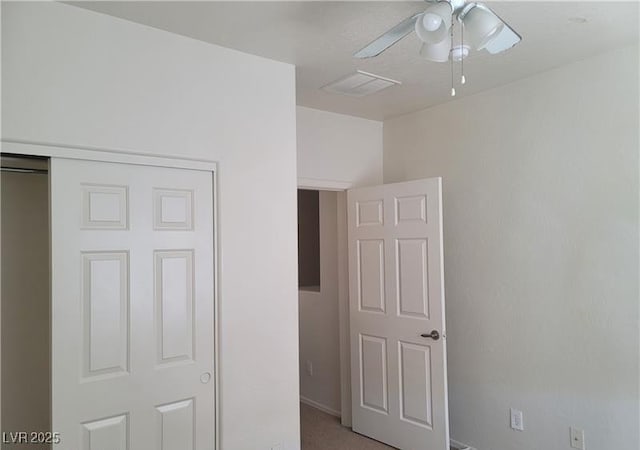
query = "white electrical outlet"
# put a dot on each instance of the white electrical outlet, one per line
(577, 438)
(276, 447)
(517, 421)
(309, 368)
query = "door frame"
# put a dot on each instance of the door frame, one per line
(144, 159)
(340, 187)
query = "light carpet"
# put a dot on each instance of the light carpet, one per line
(322, 431)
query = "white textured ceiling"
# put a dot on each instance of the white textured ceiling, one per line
(320, 37)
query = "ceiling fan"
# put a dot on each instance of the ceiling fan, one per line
(483, 27)
(480, 29)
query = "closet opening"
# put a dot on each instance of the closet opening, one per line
(25, 334)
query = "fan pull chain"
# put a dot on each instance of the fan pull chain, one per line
(453, 89)
(462, 78)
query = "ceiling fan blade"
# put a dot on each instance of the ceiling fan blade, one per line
(389, 38)
(504, 40)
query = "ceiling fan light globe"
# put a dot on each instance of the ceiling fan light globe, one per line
(436, 52)
(480, 26)
(432, 27)
(431, 22)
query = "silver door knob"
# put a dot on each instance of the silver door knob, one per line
(205, 377)
(433, 335)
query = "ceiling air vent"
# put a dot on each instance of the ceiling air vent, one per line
(359, 84)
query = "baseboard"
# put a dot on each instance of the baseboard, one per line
(458, 444)
(320, 406)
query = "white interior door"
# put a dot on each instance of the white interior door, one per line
(396, 291)
(132, 307)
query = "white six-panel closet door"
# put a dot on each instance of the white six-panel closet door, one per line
(132, 306)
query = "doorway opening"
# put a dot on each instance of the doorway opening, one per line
(25, 334)
(390, 293)
(323, 314)
(319, 334)
(318, 300)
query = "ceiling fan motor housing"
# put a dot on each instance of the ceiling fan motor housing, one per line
(459, 52)
(457, 4)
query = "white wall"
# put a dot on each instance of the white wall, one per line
(540, 181)
(337, 147)
(319, 319)
(75, 77)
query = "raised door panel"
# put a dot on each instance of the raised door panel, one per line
(176, 425)
(414, 367)
(373, 373)
(412, 282)
(174, 305)
(370, 272)
(369, 213)
(105, 305)
(173, 209)
(105, 207)
(111, 433)
(411, 209)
